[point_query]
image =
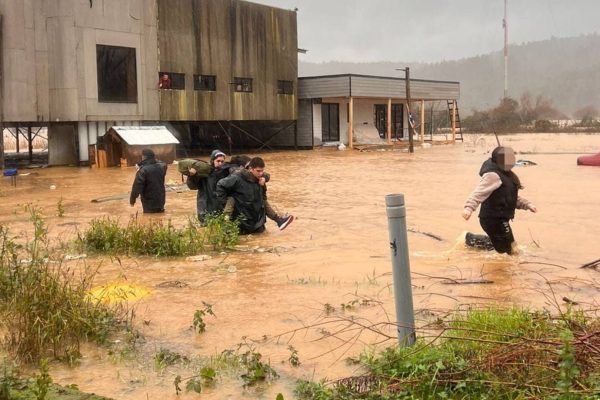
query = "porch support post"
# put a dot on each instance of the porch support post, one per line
(453, 121)
(350, 122)
(30, 144)
(388, 133)
(422, 121)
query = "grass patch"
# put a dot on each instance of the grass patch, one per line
(157, 238)
(484, 354)
(45, 309)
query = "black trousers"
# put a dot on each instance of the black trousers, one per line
(500, 233)
(499, 236)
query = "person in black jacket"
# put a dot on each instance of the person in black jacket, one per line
(239, 163)
(206, 200)
(149, 183)
(498, 194)
(248, 194)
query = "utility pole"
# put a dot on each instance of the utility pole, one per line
(411, 148)
(505, 26)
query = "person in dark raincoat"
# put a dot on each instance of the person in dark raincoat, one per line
(239, 163)
(249, 196)
(149, 183)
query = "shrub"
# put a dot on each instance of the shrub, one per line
(44, 306)
(106, 235)
(484, 354)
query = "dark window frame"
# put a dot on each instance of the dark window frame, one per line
(242, 85)
(206, 83)
(397, 120)
(332, 131)
(116, 70)
(177, 80)
(285, 87)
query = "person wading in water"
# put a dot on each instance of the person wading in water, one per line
(149, 183)
(498, 194)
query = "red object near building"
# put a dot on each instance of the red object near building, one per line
(592, 160)
(164, 82)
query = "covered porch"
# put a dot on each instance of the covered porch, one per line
(371, 110)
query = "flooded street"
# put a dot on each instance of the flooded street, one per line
(335, 253)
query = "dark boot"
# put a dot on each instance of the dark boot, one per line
(478, 241)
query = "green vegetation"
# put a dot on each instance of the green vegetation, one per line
(60, 208)
(165, 358)
(40, 387)
(198, 321)
(294, 359)
(156, 238)
(220, 232)
(485, 354)
(205, 378)
(248, 364)
(256, 370)
(44, 306)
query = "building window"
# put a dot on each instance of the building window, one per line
(205, 82)
(117, 74)
(171, 80)
(285, 87)
(330, 122)
(242, 84)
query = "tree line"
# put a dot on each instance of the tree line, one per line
(531, 114)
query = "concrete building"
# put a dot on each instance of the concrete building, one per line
(78, 67)
(218, 73)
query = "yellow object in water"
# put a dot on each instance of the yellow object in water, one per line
(117, 292)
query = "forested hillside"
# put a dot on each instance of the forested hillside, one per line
(565, 70)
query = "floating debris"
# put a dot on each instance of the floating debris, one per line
(118, 292)
(428, 234)
(178, 188)
(245, 248)
(172, 284)
(461, 281)
(69, 257)
(594, 264)
(231, 269)
(111, 198)
(524, 163)
(201, 257)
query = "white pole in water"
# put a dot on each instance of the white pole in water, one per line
(396, 213)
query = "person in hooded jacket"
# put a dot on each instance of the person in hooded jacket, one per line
(206, 200)
(498, 194)
(149, 183)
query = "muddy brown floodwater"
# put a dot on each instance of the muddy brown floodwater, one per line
(335, 252)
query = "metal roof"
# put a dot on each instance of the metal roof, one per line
(374, 87)
(145, 135)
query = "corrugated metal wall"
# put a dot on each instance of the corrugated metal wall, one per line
(227, 39)
(335, 86)
(304, 129)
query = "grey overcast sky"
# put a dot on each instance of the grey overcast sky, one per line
(430, 30)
